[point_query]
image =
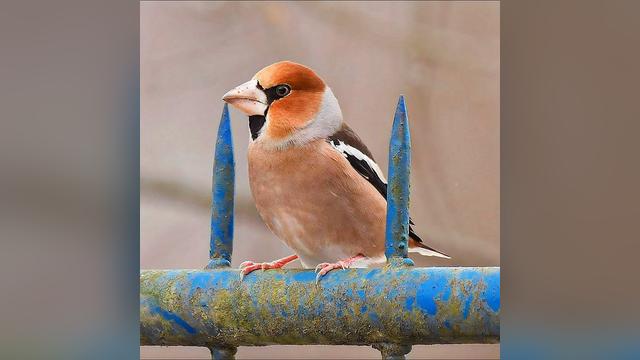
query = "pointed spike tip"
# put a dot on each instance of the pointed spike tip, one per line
(401, 102)
(225, 111)
(224, 127)
(401, 110)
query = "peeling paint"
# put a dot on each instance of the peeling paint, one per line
(353, 306)
(397, 225)
(223, 187)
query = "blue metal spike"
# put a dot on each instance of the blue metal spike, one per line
(221, 241)
(397, 230)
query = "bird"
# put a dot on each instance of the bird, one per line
(315, 183)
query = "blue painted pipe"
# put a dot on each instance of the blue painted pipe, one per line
(397, 305)
(221, 241)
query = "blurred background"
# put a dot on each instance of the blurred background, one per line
(443, 56)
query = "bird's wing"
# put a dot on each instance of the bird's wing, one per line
(348, 143)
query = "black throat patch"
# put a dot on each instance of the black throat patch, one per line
(255, 124)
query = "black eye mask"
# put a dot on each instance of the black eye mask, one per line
(256, 122)
(276, 92)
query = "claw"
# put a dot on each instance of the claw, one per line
(320, 266)
(326, 267)
(323, 268)
(249, 266)
(246, 263)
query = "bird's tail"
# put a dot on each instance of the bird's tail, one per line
(422, 249)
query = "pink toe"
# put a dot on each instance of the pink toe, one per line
(246, 263)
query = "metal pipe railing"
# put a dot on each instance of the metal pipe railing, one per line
(390, 308)
(354, 307)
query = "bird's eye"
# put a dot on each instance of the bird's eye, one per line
(283, 90)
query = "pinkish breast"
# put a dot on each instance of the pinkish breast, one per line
(314, 201)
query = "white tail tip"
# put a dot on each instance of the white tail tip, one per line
(427, 252)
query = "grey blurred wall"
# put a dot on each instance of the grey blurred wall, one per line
(445, 58)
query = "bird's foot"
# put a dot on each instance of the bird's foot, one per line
(249, 266)
(323, 268)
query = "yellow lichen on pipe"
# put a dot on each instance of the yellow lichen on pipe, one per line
(213, 308)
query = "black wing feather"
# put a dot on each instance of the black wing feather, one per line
(349, 137)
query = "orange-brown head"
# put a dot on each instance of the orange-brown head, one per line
(289, 102)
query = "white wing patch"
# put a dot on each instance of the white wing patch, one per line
(346, 150)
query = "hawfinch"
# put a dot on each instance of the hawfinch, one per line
(314, 182)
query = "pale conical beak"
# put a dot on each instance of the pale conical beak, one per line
(247, 98)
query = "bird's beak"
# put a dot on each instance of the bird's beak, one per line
(247, 98)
